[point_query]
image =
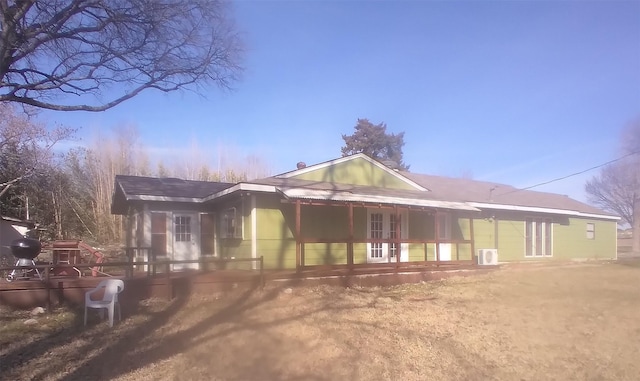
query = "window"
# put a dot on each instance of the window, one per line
(591, 230)
(376, 232)
(182, 229)
(538, 237)
(231, 223)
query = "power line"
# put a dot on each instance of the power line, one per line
(573, 174)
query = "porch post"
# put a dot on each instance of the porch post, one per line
(350, 241)
(254, 232)
(495, 232)
(437, 223)
(298, 251)
(396, 239)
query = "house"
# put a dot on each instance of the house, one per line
(10, 230)
(355, 211)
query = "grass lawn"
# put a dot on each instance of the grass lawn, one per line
(570, 322)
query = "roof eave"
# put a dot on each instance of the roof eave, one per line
(536, 209)
(249, 187)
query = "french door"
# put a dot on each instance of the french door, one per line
(539, 233)
(384, 226)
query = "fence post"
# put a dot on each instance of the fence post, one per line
(48, 286)
(130, 254)
(168, 280)
(262, 282)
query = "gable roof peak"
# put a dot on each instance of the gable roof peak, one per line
(393, 172)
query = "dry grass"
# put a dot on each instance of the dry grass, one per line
(579, 322)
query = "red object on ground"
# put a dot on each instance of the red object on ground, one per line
(96, 253)
(68, 252)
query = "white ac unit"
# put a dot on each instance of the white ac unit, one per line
(488, 256)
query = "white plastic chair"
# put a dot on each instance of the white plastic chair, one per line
(109, 301)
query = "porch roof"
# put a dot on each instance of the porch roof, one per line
(293, 188)
(363, 197)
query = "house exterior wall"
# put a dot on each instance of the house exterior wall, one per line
(569, 237)
(422, 226)
(570, 240)
(275, 241)
(511, 239)
(359, 233)
(275, 232)
(325, 222)
(357, 172)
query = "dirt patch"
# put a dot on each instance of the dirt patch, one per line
(552, 323)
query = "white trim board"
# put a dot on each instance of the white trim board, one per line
(536, 209)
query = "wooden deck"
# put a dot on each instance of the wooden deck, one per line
(139, 285)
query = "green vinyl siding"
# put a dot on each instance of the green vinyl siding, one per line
(238, 247)
(356, 172)
(570, 240)
(276, 229)
(359, 253)
(325, 254)
(276, 243)
(416, 252)
(511, 240)
(431, 252)
(484, 233)
(276, 226)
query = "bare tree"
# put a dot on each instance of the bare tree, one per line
(118, 154)
(25, 146)
(617, 187)
(79, 50)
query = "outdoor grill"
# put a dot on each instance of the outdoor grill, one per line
(25, 250)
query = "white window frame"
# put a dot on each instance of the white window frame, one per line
(231, 218)
(535, 221)
(591, 231)
(179, 222)
(388, 251)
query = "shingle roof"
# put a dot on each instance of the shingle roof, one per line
(168, 187)
(466, 190)
(440, 188)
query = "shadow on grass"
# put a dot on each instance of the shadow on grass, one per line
(629, 262)
(127, 348)
(121, 357)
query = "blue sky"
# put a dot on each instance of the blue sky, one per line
(515, 92)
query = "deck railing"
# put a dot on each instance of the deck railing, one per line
(127, 269)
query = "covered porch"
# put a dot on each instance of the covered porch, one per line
(376, 233)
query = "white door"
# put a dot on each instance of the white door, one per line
(185, 245)
(382, 225)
